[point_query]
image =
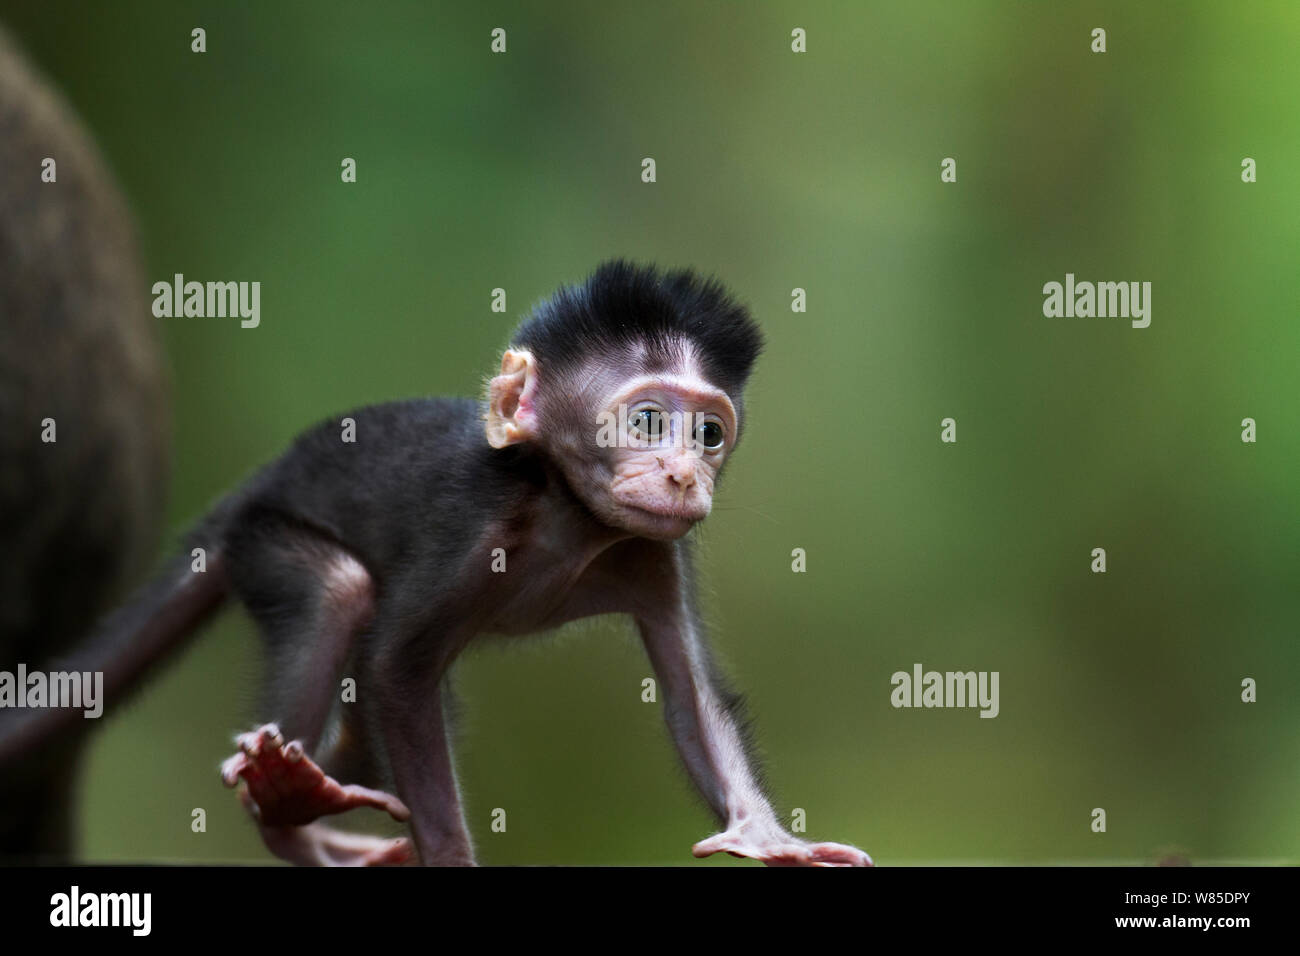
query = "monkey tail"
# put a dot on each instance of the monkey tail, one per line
(123, 648)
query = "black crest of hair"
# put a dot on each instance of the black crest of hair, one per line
(622, 304)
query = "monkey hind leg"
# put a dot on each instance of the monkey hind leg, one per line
(286, 792)
(311, 599)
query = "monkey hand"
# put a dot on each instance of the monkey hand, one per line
(773, 846)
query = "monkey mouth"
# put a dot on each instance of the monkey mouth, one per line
(672, 512)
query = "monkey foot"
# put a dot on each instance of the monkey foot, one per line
(778, 848)
(286, 788)
(318, 845)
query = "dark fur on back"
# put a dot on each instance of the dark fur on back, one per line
(622, 304)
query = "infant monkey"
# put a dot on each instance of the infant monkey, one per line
(568, 493)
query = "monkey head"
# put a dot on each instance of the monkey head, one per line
(631, 384)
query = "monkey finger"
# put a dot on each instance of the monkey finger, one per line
(254, 742)
(716, 844)
(232, 768)
(786, 854)
(729, 842)
(399, 853)
(839, 854)
(379, 800)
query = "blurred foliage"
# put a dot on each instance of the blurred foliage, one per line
(776, 170)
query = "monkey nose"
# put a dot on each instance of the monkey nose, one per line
(681, 474)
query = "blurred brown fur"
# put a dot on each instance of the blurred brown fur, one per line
(78, 345)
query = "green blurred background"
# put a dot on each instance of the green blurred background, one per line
(775, 171)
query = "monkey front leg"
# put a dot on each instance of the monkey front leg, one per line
(709, 738)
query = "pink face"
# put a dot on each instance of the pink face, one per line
(642, 453)
(667, 437)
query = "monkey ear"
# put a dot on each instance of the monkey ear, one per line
(511, 417)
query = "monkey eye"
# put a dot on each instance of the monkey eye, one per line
(710, 435)
(647, 424)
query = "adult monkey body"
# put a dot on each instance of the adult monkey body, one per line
(78, 348)
(567, 493)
